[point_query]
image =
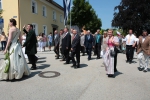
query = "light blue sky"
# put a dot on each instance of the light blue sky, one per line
(104, 9)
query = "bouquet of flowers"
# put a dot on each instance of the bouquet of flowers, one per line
(7, 61)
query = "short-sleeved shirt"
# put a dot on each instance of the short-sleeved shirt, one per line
(132, 39)
(50, 38)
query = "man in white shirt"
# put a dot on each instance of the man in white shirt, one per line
(130, 44)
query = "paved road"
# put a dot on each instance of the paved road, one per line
(87, 83)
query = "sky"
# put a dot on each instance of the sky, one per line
(104, 9)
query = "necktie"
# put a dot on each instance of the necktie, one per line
(88, 37)
(129, 39)
(73, 37)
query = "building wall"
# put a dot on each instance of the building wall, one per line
(24, 14)
(10, 8)
(27, 17)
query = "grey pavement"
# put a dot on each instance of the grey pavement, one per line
(87, 83)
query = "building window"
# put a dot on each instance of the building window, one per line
(0, 4)
(34, 6)
(35, 28)
(45, 29)
(61, 18)
(54, 15)
(44, 11)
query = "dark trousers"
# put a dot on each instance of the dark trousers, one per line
(83, 49)
(56, 50)
(66, 54)
(129, 52)
(98, 49)
(77, 57)
(61, 51)
(94, 50)
(3, 43)
(115, 61)
(32, 59)
(88, 50)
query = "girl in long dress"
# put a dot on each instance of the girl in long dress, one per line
(18, 65)
(44, 41)
(40, 42)
(110, 60)
(23, 41)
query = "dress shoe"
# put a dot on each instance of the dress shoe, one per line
(89, 59)
(145, 71)
(66, 63)
(62, 60)
(141, 69)
(127, 61)
(57, 58)
(78, 65)
(110, 75)
(130, 62)
(73, 65)
(98, 57)
(33, 68)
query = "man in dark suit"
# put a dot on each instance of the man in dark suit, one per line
(97, 43)
(88, 43)
(30, 45)
(75, 49)
(66, 44)
(56, 42)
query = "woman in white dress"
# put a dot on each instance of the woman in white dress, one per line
(23, 41)
(18, 65)
(110, 56)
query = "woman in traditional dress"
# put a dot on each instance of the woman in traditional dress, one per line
(14, 66)
(110, 57)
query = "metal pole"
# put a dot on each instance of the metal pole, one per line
(70, 19)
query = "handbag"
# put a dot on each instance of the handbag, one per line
(112, 53)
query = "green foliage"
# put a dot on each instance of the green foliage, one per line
(134, 14)
(83, 15)
(1, 12)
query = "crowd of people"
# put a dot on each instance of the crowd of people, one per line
(67, 46)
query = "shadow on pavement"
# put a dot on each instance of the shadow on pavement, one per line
(41, 61)
(117, 73)
(42, 58)
(134, 62)
(43, 66)
(83, 65)
(25, 77)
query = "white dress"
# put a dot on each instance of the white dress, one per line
(18, 64)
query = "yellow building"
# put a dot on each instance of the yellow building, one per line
(45, 15)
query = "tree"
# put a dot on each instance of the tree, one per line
(1, 11)
(94, 23)
(83, 15)
(132, 14)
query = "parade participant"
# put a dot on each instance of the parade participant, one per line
(110, 57)
(144, 51)
(15, 65)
